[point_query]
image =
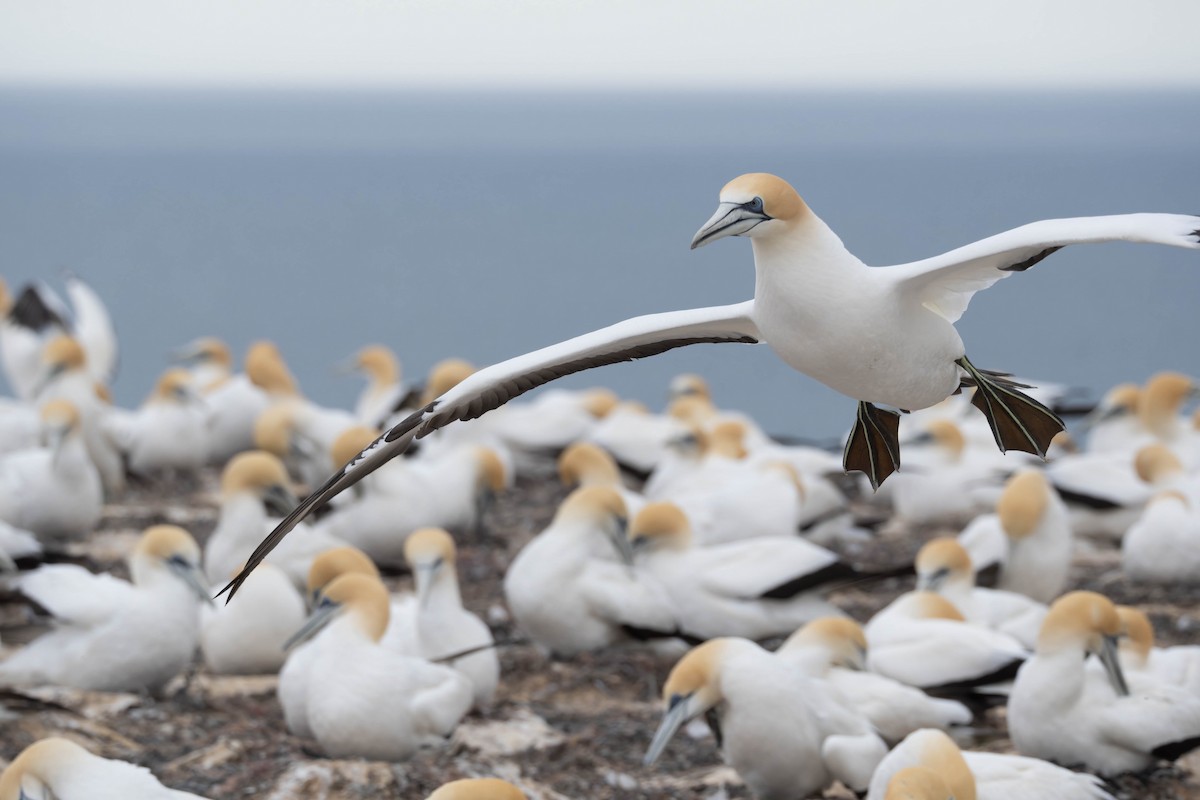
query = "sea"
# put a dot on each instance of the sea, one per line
(485, 224)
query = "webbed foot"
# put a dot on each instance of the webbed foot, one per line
(874, 444)
(1018, 422)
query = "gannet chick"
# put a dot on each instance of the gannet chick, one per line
(251, 484)
(55, 491)
(444, 627)
(379, 399)
(1056, 713)
(944, 566)
(572, 588)
(883, 336)
(1028, 540)
(477, 789)
(1163, 546)
(247, 637)
(834, 650)
(364, 700)
(169, 431)
(922, 640)
(773, 725)
(986, 776)
(1177, 666)
(755, 588)
(112, 635)
(58, 768)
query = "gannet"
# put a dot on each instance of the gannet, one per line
(1163, 546)
(1114, 424)
(111, 635)
(384, 390)
(939, 491)
(986, 776)
(364, 700)
(774, 727)
(61, 769)
(1177, 666)
(247, 637)
(881, 336)
(267, 369)
(168, 432)
(444, 627)
(1027, 541)
(233, 401)
(54, 491)
(477, 789)
(275, 432)
(1159, 407)
(918, 783)
(834, 650)
(1055, 712)
(572, 588)
(587, 464)
(208, 362)
(636, 438)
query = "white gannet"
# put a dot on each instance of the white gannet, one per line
(275, 431)
(61, 769)
(169, 431)
(1056, 712)
(94, 329)
(208, 362)
(636, 438)
(881, 336)
(55, 491)
(943, 566)
(111, 635)
(1114, 425)
(364, 700)
(444, 627)
(550, 421)
(986, 776)
(1160, 404)
(1027, 541)
(477, 789)
(384, 391)
(1177, 666)
(233, 401)
(834, 650)
(247, 637)
(587, 464)
(572, 587)
(1163, 546)
(755, 588)
(774, 726)
(939, 490)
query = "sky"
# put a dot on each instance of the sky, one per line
(605, 44)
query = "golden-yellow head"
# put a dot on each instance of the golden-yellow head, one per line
(478, 789)
(1023, 503)
(660, 525)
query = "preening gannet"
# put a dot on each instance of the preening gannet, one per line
(1177, 666)
(60, 769)
(881, 336)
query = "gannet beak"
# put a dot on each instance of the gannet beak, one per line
(621, 543)
(731, 219)
(424, 587)
(188, 352)
(189, 573)
(676, 715)
(347, 366)
(318, 619)
(1112, 666)
(931, 583)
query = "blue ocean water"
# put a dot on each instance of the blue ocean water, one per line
(483, 226)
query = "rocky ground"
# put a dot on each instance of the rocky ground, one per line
(572, 728)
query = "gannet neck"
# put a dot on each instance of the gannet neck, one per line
(37, 767)
(806, 249)
(380, 364)
(267, 370)
(1161, 399)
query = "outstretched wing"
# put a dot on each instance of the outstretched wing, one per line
(496, 385)
(945, 284)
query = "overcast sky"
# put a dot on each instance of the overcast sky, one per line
(693, 44)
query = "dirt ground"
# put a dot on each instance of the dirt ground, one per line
(574, 728)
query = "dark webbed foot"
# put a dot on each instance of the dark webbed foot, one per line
(874, 444)
(1018, 422)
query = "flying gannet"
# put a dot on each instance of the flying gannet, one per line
(879, 335)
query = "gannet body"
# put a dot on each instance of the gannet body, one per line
(834, 650)
(169, 431)
(61, 769)
(1163, 546)
(636, 438)
(247, 637)
(113, 635)
(878, 335)
(1056, 712)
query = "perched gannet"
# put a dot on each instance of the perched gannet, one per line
(247, 637)
(774, 727)
(60, 769)
(986, 776)
(1160, 468)
(834, 650)
(944, 566)
(755, 588)
(444, 627)
(1163, 546)
(384, 391)
(477, 789)
(636, 438)
(572, 588)
(364, 700)
(881, 336)
(1027, 541)
(251, 484)
(112, 635)
(1055, 712)
(55, 491)
(169, 431)
(1177, 666)
(922, 640)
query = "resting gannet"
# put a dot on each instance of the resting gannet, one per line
(247, 637)
(881, 336)
(1163, 546)
(59, 768)
(1177, 666)
(169, 431)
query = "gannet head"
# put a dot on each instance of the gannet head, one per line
(444, 376)
(350, 442)
(362, 598)
(918, 783)
(936, 751)
(840, 637)
(756, 205)
(267, 370)
(478, 789)
(692, 409)
(429, 552)
(174, 386)
(1156, 464)
(688, 385)
(172, 548)
(1119, 401)
(205, 350)
(334, 563)
(692, 688)
(600, 402)
(60, 418)
(586, 464)
(1023, 503)
(1161, 399)
(38, 768)
(61, 354)
(491, 475)
(379, 363)
(728, 440)
(943, 562)
(1137, 636)
(601, 509)
(273, 430)
(1084, 622)
(262, 475)
(660, 526)
(948, 437)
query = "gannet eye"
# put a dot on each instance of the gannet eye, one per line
(755, 205)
